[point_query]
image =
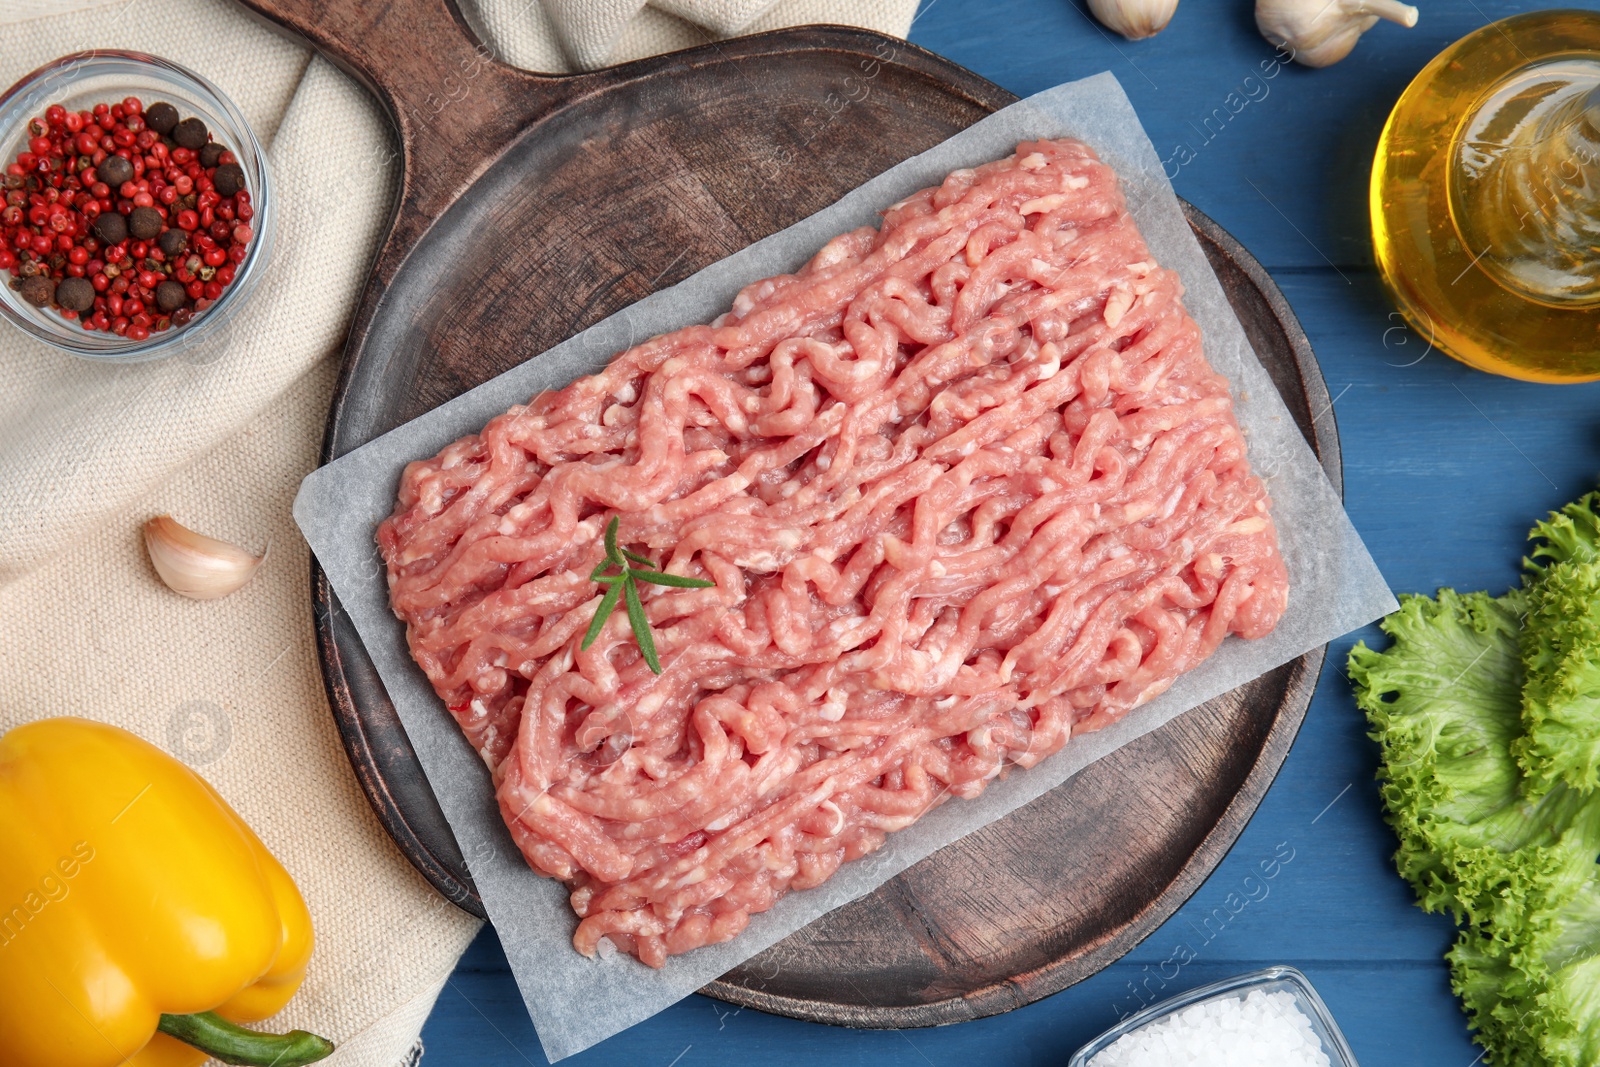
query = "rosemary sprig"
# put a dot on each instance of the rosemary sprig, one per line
(624, 587)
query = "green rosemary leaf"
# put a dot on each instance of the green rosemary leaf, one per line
(600, 568)
(611, 543)
(641, 625)
(608, 603)
(637, 558)
(677, 581)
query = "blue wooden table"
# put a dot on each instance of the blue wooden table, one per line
(1445, 469)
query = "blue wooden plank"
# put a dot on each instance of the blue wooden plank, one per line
(1445, 470)
(1303, 137)
(1394, 1014)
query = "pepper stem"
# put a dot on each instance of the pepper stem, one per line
(231, 1043)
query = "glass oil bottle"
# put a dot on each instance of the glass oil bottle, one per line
(1485, 199)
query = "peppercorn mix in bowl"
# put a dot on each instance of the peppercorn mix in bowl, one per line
(137, 207)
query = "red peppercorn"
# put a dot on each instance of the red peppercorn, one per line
(138, 333)
(78, 167)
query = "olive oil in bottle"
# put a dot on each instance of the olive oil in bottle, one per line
(1486, 199)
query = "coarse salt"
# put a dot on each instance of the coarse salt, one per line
(1260, 1029)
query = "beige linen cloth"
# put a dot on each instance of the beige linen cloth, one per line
(220, 438)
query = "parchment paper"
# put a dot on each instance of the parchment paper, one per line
(577, 1002)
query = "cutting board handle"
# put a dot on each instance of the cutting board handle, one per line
(453, 104)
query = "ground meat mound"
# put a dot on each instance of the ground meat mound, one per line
(966, 485)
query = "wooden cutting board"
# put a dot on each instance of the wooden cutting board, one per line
(532, 206)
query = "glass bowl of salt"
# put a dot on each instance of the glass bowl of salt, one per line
(1270, 1018)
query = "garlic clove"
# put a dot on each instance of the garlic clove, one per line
(1134, 19)
(195, 565)
(1321, 32)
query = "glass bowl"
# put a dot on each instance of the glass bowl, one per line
(78, 82)
(1272, 980)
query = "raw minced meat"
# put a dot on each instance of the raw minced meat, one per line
(966, 485)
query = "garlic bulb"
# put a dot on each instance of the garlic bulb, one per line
(1322, 32)
(1134, 19)
(196, 565)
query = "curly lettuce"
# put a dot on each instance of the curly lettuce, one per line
(1512, 859)
(1534, 992)
(1561, 659)
(1444, 705)
(1573, 533)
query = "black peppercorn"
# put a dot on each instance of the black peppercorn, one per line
(75, 294)
(161, 117)
(173, 242)
(190, 133)
(228, 179)
(114, 171)
(144, 223)
(111, 228)
(211, 154)
(170, 296)
(38, 290)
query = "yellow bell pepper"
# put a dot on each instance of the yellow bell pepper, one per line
(134, 900)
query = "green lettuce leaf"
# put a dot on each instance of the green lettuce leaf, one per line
(1573, 533)
(1444, 703)
(1533, 992)
(1561, 660)
(1487, 712)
